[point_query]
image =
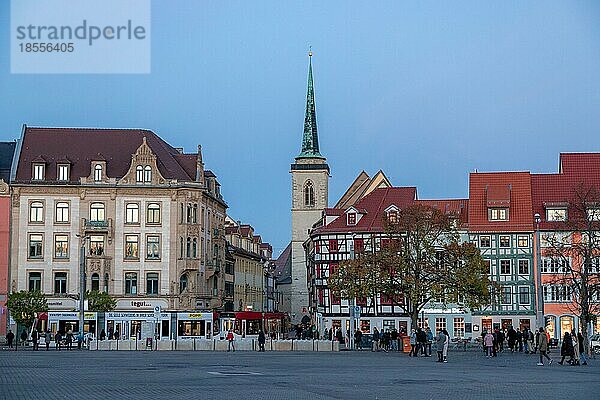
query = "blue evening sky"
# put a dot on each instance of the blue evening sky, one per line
(426, 91)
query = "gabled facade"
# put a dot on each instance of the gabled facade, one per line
(149, 217)
(501, 225)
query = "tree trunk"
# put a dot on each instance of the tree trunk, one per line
(584, 324)
(414, 319)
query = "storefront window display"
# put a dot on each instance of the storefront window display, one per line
(551, 326)
(566, 324)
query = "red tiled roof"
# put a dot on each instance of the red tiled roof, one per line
(334, 211)
(374, 203)
(459, 207)
(84, 145)
(520, 215)
(580, 164)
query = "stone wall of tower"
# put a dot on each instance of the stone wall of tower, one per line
(303, 218)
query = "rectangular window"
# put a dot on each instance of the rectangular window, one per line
(556, 214)
(523, 295)
(555, 265)
(523, 267)
(359, 246)
(152, 283)
(153, 247)
(333, 246)
(484, 241)
(505, 267)
(96, 245)
(593, 214)
(61, 246)
(489, 266)
(153, 213)
(35, 281)
(35, 245)
(523, 241)
(498, 214)
(97, 212)
(504, 241)
(132, 213)
(459, 327)
(506, 295)
(440, 323)
(62, 212)
(132, 247)
(36, 211)
(131, 283)
(60, 283)
(351, 218)
(38, 172)
(63, 172)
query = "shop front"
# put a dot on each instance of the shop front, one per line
(65, 321)
(194, 325)
(128, 325)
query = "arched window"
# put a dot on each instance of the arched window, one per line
(183, 283)
(188, 248)
(97, 212)
(95, 282)
(132, 213)
(139, 174)
(147, 174)
(105, 283)
(195, 248)
(98, 173)
(181, 247)
(309, 194)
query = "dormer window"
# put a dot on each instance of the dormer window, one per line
(392, 216)
(147, 174)
(63, 172)
(351, 218)
(98, 173)
(497, 214)
(139, 174)
(38, 172)
(556, 214)
(593, 214)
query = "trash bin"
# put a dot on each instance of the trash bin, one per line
(406, 344)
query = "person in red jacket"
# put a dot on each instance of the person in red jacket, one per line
(230, 338)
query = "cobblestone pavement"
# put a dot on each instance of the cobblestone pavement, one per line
(314, 376)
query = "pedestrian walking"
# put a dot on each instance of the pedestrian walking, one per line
(446, 343)
(413, 343)
(526, 340)
(566, 350)
(421, 341)
(34, 339)
(429, 341)
(10, 336)
(512, 339)
(80, 338)
(23, 337)
(582, 355)
(488, 341)
(261, 341)
(230, 338)
(500, 339)
(543, 347)
(394, 339)
(69, 340)
(439, 344)
(358, 339)
(376, 338)
(47, 339)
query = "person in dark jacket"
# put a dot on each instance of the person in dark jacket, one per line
(261, 340)
(34, 339)
(421, 341)
(440, 340)
(376, 338)
(519, 341)
(102, 335)
(566, 350)
(358, 339)
(512, 339)
(23, 337)
(500, 340)
(582, 355)
(10, 336)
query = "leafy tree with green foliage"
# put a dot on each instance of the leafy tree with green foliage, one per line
(100, 301)
(24, 305)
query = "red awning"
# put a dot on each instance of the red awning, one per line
(42, 316)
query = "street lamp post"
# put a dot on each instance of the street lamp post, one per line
(539, 315)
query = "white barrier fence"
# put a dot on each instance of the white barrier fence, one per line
(213, 345)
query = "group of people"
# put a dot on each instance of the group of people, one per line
(421, 341)
(61, 339)
(527, 341)
(385, 340)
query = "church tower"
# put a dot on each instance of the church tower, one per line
(310, 178)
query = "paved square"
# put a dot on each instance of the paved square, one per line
(314, 376)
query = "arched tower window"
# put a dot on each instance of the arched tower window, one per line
(95, 282)
(147, 174)
(183, 283)
(139, 174)
(309, 194)
(98, 173)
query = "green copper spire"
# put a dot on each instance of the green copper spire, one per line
(310, 139)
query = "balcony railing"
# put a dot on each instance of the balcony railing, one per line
(96, 224)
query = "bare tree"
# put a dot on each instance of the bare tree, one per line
(575, 247)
